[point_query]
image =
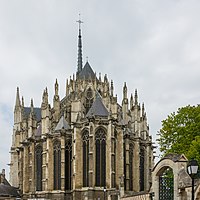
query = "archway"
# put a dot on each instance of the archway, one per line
(165, 177)
(166, 185)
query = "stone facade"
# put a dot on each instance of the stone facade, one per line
(84, 146)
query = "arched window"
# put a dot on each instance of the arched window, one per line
(141, 169)
(100, 140)
(57, 165)
(85, 139)
(38, 167)
(131, 166)
(89, 99)
(68, 164)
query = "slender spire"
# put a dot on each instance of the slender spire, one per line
(56, 88)
(17, 102)
(80, 62)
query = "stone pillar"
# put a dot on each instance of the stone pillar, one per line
(32, 163)
(50, 169)
(44, 165)
(108, 156)
(26, 169)
(119, 163)
(91, 157)
(136, 167)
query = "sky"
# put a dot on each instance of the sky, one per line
(153, 46)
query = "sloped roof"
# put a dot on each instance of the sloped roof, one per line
(98, 108)
(8, 191)
(37, 112)
(87, 72)
(62, 124)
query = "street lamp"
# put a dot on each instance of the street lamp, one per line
(192, 169)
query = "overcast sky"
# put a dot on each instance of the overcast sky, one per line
(152, 45)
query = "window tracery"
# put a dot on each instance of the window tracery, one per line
(57, 165)
(85, 140)
(38, 165)
(100, 141)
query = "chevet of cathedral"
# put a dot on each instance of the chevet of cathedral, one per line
(86, 145)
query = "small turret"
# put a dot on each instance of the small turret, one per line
(99, 77)
(67, 88)
(125, 91)
(32, 111)
(131, 101)
(56, 102)
(111, 88)
(136, 97)
(17, 102)
(17, 110)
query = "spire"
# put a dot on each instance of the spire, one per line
(80, 62)
(125, 91)
(111, 88)
(17, 102)
(31, 105)
(56, 87)
(131, 101)
(136, 97)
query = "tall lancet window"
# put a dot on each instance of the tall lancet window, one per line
(100, 139)
(68, 164)
(131, 166)
(89, 99)
(85, 138)
(38, 167)
(57, 165)
(142, 155)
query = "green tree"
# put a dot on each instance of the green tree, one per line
(180, 132)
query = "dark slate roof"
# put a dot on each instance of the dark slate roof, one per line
(8, 191)
(87, 72)
(37, 112)
(98, 109)
(174, 156)
(62, 124)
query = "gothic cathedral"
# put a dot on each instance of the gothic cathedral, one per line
(85, 146)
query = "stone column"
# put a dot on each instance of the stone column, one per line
(32, 163)
(26, 169)
(119, 163)
(136, 167)
(50, 169)
(91, 157)
(108, 156)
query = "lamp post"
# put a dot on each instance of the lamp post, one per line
(192, 169)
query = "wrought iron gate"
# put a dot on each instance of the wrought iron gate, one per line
(166, 188)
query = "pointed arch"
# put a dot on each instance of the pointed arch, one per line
(100, 142)
(57, 164)
(38, 167)
(85, 146)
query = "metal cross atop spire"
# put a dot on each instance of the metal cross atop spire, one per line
(80, 22)
(80, 62)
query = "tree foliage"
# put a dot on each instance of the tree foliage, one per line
(180, 132)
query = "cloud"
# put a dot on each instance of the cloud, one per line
(152, 45)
